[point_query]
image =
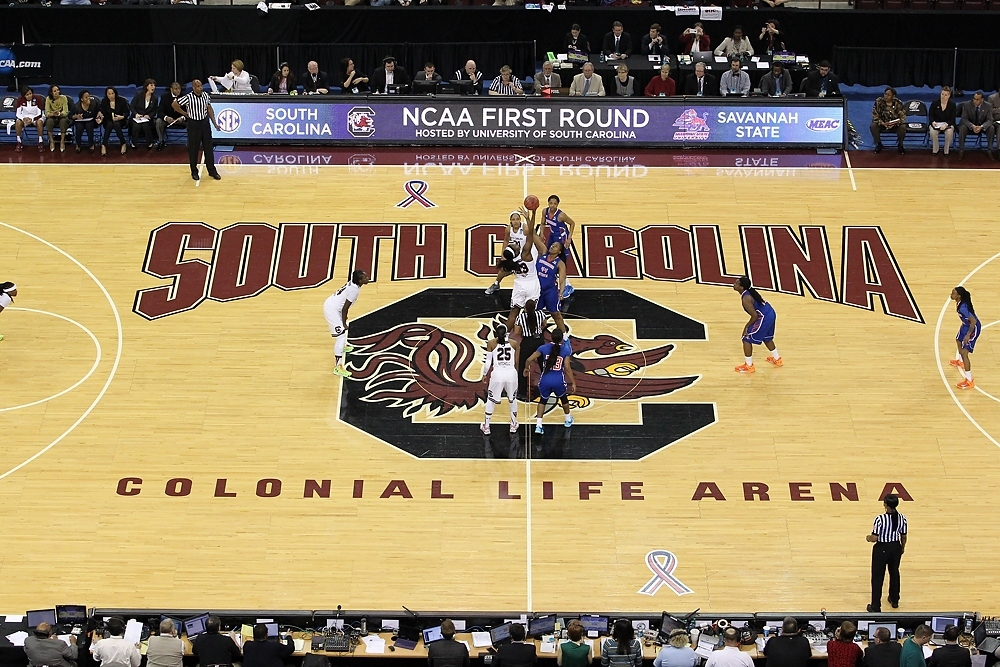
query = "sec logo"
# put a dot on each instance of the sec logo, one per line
(228, 120)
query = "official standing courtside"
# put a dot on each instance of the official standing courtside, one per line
(196, 106)
(889, 538)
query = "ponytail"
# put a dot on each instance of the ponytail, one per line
(966, 298)
(556, 351)
(501, 333)
(744, 282)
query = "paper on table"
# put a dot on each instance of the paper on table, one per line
(705, 646)
(761, 65)
(65, 639)
(462, 641)
(547, 647)
(300, 645)
(756, 59)
(17, 638)
(459, 626)
(133, 631)
(13, 618)
(927, 651)
(374, 644)
(481, 639)
(721, 59)
(246, 631)
(390, 623)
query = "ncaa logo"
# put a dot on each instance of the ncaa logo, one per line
(823, 124)
(7, 62)
(228, 119)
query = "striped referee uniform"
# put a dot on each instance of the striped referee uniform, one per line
(532, 329)
(498, 87)
(889, 530)
(197, 106)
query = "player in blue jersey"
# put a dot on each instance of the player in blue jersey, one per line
(551, 270)
(555, 372)
(967, 335)
(760, 329)
(559, 227)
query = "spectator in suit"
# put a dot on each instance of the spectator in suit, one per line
(888, 115)
(314, 81)
(994, 101)
(547, 79)
(575, 40)
(771, 38)
(883, 651)
(44, 649)
(977, 117)
(56, 113)
(587, 83)
(85, 120)
(30, 110)
(694, 40)
(167, 117)
(517, 653)
(735, 82)
(143, 114)
(617, 43)
(842, 650)
(351, 80)
(663, 85)
(701, 83)
(738, 45)
(941, 118)
(777, 82)
(428, 73)
(624, 82)
(263, 653)
(822, 82)
(951, 654)
(470, 73)
(214, 648)
(653, 43)
(447, 652)
(283, 81)
(114, 113)
(789, 649)
(389, 74)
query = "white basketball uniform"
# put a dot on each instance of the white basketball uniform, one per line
(503, 378)
(333, 309)
(526, 287)
(5, 299)
(518, 238)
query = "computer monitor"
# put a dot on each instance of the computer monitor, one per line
(668, 624)
(41, 616)
(875, 625)
(71, 614)
(195, 625)
(598, 624)
(463, 86)
(272, 630)
(543, 625)
(432, 635)
(397, 88)
(409, 629)
(424, 87)
(862, 626)
(939, 623)
(178, 623)
(500, 634)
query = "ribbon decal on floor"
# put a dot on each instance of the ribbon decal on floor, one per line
(662, 563)
(416, 190)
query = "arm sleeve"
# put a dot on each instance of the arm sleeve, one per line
(134, 658)
(234, 650)
(637, 654)
(288, 648)
(605, 656)
(70, 652)
(465, 660)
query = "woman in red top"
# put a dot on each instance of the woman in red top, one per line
(841, 650)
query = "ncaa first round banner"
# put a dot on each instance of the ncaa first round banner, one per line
(531, 121)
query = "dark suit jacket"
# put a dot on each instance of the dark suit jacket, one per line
(969, 115)
(139, 106)
(267, 653)
(516, 655)
(289, 85)
(582, 43)
(950, 655)
(322, 81)
(711, 86)
(377, 79)
(166, 108)
(447, 653)
(624, 44)
(882, 655)
(814, 81)
(767, 84)
(659, 50)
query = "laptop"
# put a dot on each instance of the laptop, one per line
(542, 625)
(39, 616)
(501, 634)
(706, 57)
(195, 625)
(875, 625)
(938, 625)
(272, 631)
(432, 635)
(397, 89)
(408, 635)
(178, 623)
(71, 615)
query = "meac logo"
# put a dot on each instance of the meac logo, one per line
(823, 124)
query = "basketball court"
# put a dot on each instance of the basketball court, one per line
(174, 437)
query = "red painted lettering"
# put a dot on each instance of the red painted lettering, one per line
(708, 490)
(220, 489)
(755, 489)
(364, 254)
(359, 488)
(838, 492)
(588, 489)
(314, 488)
(611, 251)
(178, 486)
(436, 490)
(804, 263)
(757, 256)
(547, 491)
(396, 487)
(800, 490)
(420, 252)
(709, 258)
(243, 261)
(268, 488)
(129, 486)
(896, 489)
(870, 269)
(505, 494)
(482, 249)
(305, 255)
(165, 259)
(666, 253)
(632, 491)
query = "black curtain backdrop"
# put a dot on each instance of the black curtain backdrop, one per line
(978, 69)
(893, 67)
(199, 61)
(115, 64)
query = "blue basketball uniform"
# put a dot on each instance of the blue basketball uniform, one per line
(558, 231)
(553, 381)
(965, 315)
(548, 281)
(763, 327)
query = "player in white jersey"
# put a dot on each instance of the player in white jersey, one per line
(513, 243)
(7, 293)
(501, 357)
(526, 287)
(335, 311)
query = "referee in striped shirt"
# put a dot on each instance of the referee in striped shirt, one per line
(530, 326)
(196, 106)
(889, 538)
(505, 84)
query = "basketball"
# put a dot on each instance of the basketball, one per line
(531, 202)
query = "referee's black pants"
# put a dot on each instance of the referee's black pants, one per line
(528, 347)
(200, 136)
(885, 555)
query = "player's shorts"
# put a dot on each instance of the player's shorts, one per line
(523, 293)
(761, 330)
(334, 322)
(548, 300)
(504, 383)
(552, 383)
(971, 347)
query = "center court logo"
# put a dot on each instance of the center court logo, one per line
(692, 126)
(823, 124)
(228, 120)
(361, 122)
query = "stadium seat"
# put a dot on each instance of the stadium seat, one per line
(974, 5)
(916, 118)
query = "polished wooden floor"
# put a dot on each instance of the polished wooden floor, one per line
(243, 391)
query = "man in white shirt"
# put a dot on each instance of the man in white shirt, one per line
(236, 81)
(735, 82)
(165, 649)
(730, 655)
(114, 651)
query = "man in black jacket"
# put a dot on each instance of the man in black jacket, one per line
(951, 654)
(517, 653)
(167, 117)
(262, 653)
(213, 648)
(447, 652)
(883, 650)
(617, 43)
(790, 649)
(390, 74)
(315, 82)
(700, 83)
(822, 82)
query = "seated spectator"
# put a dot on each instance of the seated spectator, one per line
(165, 649)
(143, 114)
(738, 45)
(167, 117)
(352, 81)
(56, 113)
(977, 117)
(115, 651)
(283, 81)
(772, 3)
(777, 82)
(429, 73)
(771, 39)
(587, 83)
(994, 101)
(44, 649)
(262, 653)
(622, 649)
(624, 82)
(29, 110)
(841, 650)
(390, 74)
(575, 653)
(941, 118)
(114, 113)
(214, 648)
(470, 73)
(663, 85)
(506, 84)
(617, 43)
(789, 649)
(677, 652)
(951, 654)
(735, 82)
(700, 84)
(315, 82)
(822, 82)
(730, 655)
(237, 80)
(547, 79)
(694, 40)
(85, 120)
(888, 115)
(517, 653)
(883, 650)
(575, 40)
(653, 43)
(447, 652)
